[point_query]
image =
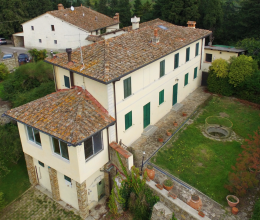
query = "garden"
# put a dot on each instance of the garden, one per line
(206, 163)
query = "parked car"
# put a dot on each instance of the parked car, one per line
(3, 41)
(7, 56)
(23, 57)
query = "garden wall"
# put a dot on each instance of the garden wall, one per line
(11, 63)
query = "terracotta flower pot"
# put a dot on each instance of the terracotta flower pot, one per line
(232, 204)
(175, 124)
(168, 133)
(235, 210)
(168, 188)
(195, 202)
(160, 139)
(150, 173)
(184, 114)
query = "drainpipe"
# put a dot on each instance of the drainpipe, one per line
(114, 83)
(54, 76)
(108, 145)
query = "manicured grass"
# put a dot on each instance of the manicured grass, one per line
(202, 162)
(15, 182)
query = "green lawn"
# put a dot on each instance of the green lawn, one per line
(16, 182)
(202, 162)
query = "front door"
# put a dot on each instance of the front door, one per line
(175, 94)
(146, 115)
(101, 189)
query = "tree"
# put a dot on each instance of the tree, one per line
(38, 55)
(38, 7)
(252, 46)
(220, 68)
(137, 11)
(241, 68)
(146, 12)
(102, 7)
(124, 9)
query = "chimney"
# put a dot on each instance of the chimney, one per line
(155, 38)
(60, 6)
(69, 51)
(135, 22)
(116, 17)
(191, 24)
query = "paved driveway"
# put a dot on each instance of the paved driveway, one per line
(9, 49)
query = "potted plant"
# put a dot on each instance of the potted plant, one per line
(195, 202)
(167, 184)
(175, 123)
(169, 132)
(232, 200)
(160, 138)
(150, 172)
(184, 114)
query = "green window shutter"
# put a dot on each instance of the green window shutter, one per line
(195, 72)
(128, 120)
(162, 68)
(176, 61)
(186, 81)
(197, 49)
(187, 54)
(127, 87)
(161, 97)
(67, 81)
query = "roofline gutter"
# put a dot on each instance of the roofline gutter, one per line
(69, 144)
(118, 78)
(104, 27)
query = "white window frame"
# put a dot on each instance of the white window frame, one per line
(59, 155)
(30, 141)
(68, 183)
(94, 154)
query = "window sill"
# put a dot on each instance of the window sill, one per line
(88, 159)
(60, 157)
(161, 104)
(128, 128)
(34, 144)
(128, 97)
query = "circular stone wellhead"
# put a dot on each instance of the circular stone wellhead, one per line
(218, 127)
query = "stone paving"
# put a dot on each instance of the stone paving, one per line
(150, 145)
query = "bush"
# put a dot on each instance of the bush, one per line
(38, 55)
(256, 211)
(3, 71)
(219, 85)
(2, 201)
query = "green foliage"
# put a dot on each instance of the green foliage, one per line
(2, 201)
(241, 68)
(220, 67)
(3, 71)
(38, 55)
(112, 203)
(173, 217)
(10, 147)
(124, 9)
(26, 78)
(256, 211)
(137, 8)
(168, 183)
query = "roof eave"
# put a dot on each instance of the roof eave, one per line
(104, 27)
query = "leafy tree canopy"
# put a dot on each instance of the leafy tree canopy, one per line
(220, 67)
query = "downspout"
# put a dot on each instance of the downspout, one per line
(202, 53)
(108, 145)
(114, 83)
(54, 77)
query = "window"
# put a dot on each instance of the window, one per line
(96, 32)
(93, 145)
(55, 41)
(187, 54)
(60, 148)
(161, 97)
(195, 72)
(176, 61)
(162, 68)
(42, 164)
(197, 49)
(52, 28)
(40, 40)
(128, 120)
(32, 27)
(208, 57)
(34, 135)
(67, 178)
(127, 87)
(186, 80)
(67, 81)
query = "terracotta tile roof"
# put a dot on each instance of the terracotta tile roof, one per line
(115, 57)
(71, 115)
(95, 38)
(92, 20)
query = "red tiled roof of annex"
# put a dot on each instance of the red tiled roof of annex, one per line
(71, 115)
(84, 18)
(109, 59)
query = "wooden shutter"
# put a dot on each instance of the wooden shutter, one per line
(195, 72)
(128, 120)
(67, 81)
(176, 61)
(127, 87)
(162, 68)
(161, 97)
(186, 79)
(197, 49)
(187, 54)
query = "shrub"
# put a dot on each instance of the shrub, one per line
(3, 71)
(38, 55)
(220, 67)
(256, 211)
(2, 201)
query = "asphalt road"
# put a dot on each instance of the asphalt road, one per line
(9, 49)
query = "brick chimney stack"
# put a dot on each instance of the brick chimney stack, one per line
(60, 6)
(135, 22)
(116, 17)
(155, 38)
(191, 24)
